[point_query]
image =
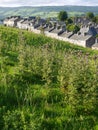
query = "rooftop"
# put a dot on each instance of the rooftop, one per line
(48, 29)
(80, 37)
(66, 34)
(95, 45)
(56, 31)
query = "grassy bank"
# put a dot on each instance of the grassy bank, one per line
(46, 84)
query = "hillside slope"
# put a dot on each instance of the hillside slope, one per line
(46, 84)
(46, 11)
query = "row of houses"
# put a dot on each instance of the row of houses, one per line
(56, 29)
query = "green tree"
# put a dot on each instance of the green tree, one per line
(48, 20)
(73, 28)
(90, 15)
(69, 21)
(95, 19)
(62, 15)
(42, 30)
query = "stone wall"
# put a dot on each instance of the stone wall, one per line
(90, 42)
(95, 48)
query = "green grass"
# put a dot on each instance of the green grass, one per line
(46, 84)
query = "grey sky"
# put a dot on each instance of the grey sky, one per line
(47, 2)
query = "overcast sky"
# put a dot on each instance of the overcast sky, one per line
(47, 2)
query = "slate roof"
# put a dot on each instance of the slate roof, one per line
(32, 17)
(48, 29)
(57, 31)
(41, 21)
(21, 20)
(95, 45)
(84, 30)
(39, 27)
(26, 21)
(92, 31)
(80, 37)
(82, 20)
(89, 30)
(66, 34)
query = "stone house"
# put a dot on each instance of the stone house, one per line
(81, 20)
(33, 25)
(25, 24)
(11, 21)
(19, 23)
(6, 21)
(95, 46)
(48, 27)
(54, 33)
(65, 36)
(82, 40)
(89, 30)
(56, 29)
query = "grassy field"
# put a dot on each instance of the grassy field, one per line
(46, 11)
(46, 84)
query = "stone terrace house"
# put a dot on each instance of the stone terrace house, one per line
(85, 37)
(36, 25)
(95, 46)
(48, 28)
(82, 40)
(19, 23)
(11, 21)
(82, 21)
(6, 21)
(88, 30)
(56, 29)
(25, 24)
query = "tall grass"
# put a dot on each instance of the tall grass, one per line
(46, 84)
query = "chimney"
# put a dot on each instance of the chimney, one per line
(96, 40)
(49, 26)
(63, 28)
(78, 33)
(85, 33)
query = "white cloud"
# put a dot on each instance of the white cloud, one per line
(46, 2)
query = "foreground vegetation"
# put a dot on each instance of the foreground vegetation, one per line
(46, 84)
